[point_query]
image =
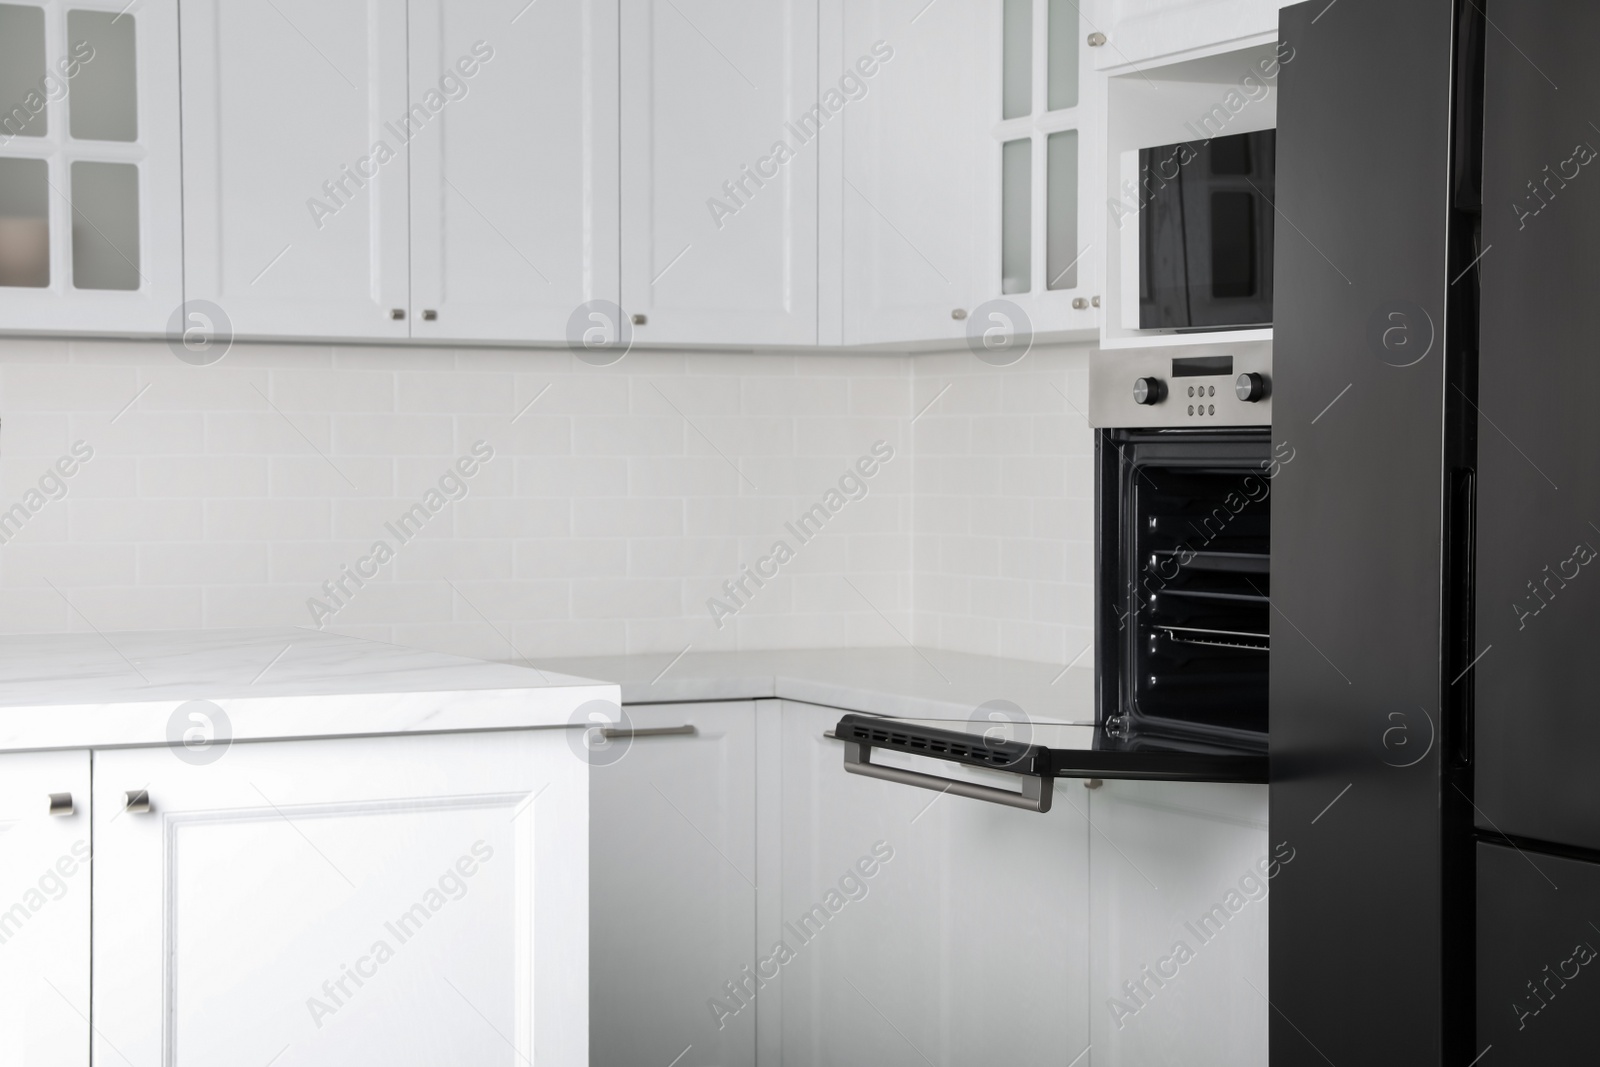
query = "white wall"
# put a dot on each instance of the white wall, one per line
(602, 526)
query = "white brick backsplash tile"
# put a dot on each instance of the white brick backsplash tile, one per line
(515, 517)
(267, 433)
(93, 521)
(563, 558)
(64, 387)
(137, 607)
(572, 476)
(606, 519)
(628, 517)
(631, 435)
(392, 435)
(203, 476)
(201, 562)
(268, 520)
(331, 390)
(627, 598)
(30, 563)
(455, 392)
(313, 476)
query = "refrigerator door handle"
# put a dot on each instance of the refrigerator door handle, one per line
(1035, 795)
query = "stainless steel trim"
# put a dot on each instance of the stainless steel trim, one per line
(138, 801)
(60, 803)
(612, 733)
(1112, 374)
(1035, 795)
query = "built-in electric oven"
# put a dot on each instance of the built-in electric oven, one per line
(1184, 469)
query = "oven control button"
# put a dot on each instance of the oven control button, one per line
(1149, 391)
(1250, 387)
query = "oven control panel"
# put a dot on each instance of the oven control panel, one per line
(1145, 388)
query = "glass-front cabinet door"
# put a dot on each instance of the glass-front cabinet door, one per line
(89, 157)
(1047, 136)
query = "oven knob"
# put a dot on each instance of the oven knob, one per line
(1148, 391)
(1250, 387)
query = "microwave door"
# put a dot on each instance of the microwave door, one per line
(1228, 193)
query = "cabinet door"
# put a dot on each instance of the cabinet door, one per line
(90, 208)
(719, 178)
(412, 900)
(44, 910)
(920, 927)
(514, 180)
(672, 886)
(295, 136)
(915, 196)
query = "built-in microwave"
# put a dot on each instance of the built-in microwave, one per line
(1206, 222)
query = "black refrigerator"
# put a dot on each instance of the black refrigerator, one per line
(1435, 723)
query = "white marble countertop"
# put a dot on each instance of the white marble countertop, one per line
(84, 690)
(906, 682)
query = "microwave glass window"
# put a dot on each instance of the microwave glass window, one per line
(1233, 245)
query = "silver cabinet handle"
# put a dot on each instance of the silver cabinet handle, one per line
(138, 801)
(1035, 795)
(611, 733)
(60, 803)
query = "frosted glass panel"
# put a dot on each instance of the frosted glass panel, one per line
(1061, 249)
(1063, 51)
(1016, 216)
(1017, 78)
(23, 89)
(105, 226)
(24, 223)
(104, 104)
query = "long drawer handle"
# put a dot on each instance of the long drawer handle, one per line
(1035, 795)
(60, 803)
(612, 733)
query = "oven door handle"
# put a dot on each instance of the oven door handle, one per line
(1035, 795)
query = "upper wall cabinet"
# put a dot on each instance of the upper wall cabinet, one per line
(720, 115)
(514, 179)
(912, 185)
(1138, 31)
(295, 128)
(89, 161)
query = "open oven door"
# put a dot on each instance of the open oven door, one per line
(1036, 754)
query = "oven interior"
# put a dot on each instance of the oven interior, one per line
(1185, 558)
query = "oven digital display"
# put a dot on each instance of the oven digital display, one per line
(1201, 366)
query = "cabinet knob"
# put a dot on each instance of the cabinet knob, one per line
(958, 314)
(138, 801)
(429, 315)
(1094, 301)
(397, 313)
(638, 319)
(1096, 39)
(1079, 303)
(60, 803)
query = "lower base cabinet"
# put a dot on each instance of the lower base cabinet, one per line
(753, 903)
(397, 900)
(44, 909)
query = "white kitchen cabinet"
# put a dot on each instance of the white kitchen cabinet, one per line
(1141, 31)
(911, 188)
(90, 210)
(295, 156)
(514, 183)
(396, 900)
(966, 943)
(719, 223)
(44, 909)
(673, 872)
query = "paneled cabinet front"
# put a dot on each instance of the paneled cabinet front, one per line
(295, 129)
(411, 900)
(44, 909)
(720, 121)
